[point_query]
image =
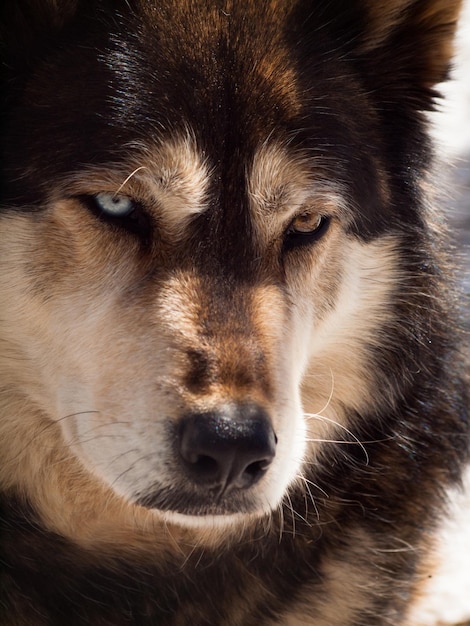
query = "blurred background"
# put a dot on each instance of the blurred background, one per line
(451, 125)
(448, 599)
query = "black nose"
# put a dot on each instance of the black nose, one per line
(228, 447)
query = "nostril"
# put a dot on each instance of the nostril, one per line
(252, 473)
(232, 446)
(255, 468)
(205, 465)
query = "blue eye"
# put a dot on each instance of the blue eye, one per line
(120, 213)
(114, 205)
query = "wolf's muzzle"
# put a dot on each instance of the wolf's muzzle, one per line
(227, 448)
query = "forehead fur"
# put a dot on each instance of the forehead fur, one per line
(236, 74)
(281, 179)
(170, 176)
(282, 183)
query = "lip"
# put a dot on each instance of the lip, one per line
(204, 503)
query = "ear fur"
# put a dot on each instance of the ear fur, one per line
(403, 44)
(417, 33)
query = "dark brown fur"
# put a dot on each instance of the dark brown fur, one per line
(340, 79)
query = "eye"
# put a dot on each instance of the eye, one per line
(305, 228)
(114, 205)
(120, 212)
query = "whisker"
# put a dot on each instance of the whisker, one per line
(353, 443)
(142, 167)
(45, 428)
(330, 397)
(280, 510)
(346, 430)
(307, 481)
(307, 487)
(65, 417)
(95, 427)
(128, 469)
(290, 506)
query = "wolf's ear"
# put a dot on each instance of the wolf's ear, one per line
(413, 36)
(402, 44)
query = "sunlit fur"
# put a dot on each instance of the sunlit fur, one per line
(227, 130)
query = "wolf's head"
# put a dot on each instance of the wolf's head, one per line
(211, 216)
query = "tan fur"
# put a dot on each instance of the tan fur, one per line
(280, 188)
(63, 380)
(170, 178)
(74, 277)
(282, 185)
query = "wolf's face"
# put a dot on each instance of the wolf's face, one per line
(204, 241)
(169, 352)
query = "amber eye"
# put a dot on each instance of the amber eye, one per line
(306, 223)
(305, 228)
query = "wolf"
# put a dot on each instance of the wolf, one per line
(233, 385)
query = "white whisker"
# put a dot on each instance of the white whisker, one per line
(312, 499)
(142, 167)
(292, 512)
(346, 430)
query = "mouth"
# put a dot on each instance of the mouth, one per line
(194, 504)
